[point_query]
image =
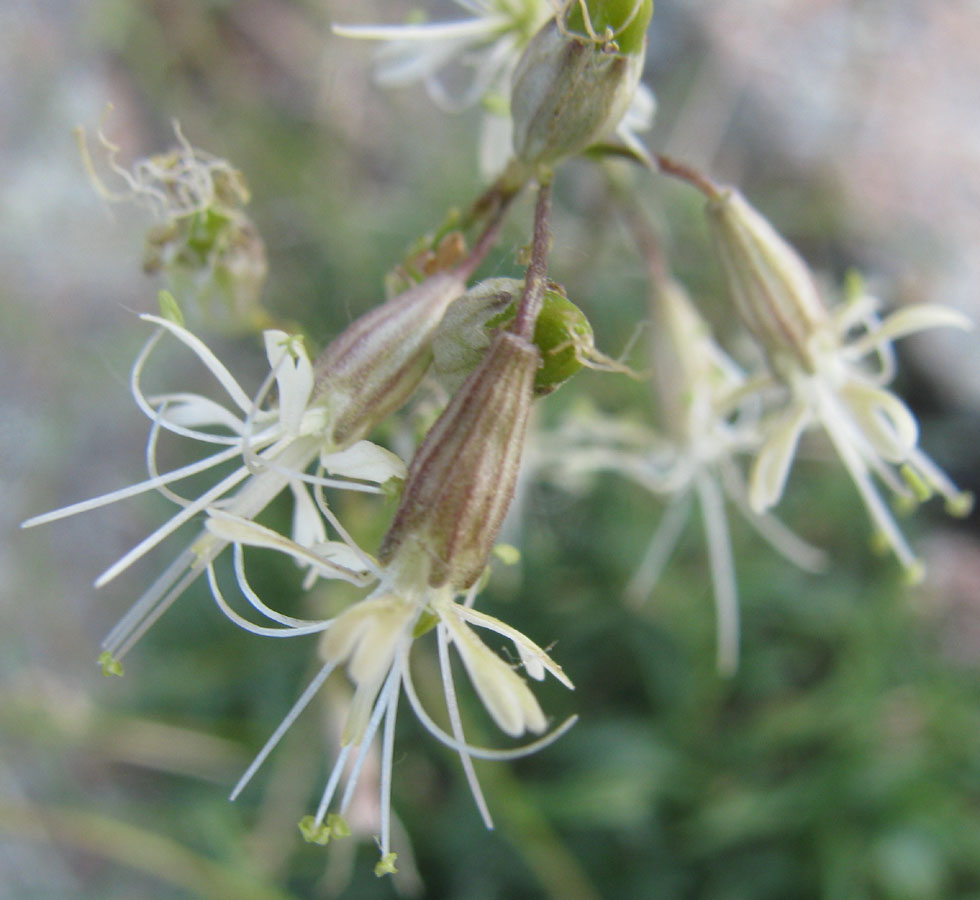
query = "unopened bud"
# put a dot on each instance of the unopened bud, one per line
(562, 333)
(461, 480)
(577, 77)
(373, 367)
(771, 286)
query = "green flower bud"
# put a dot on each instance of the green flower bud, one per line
(461, 480)
(574, 82)
(562, 334)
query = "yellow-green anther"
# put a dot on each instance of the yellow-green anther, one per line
(960, 504)
(386, 865)
(338, 825)
(916, 483)
(110, 665)
(508, 554)
(314, 833)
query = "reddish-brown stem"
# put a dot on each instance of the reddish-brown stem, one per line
(684, 172)
(488, 237)
(535, 279)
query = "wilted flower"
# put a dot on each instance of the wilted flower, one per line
(203, 241)
(834, 365)
(324, 410)
(456, 493)
(489, 45)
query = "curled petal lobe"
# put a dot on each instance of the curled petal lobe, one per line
(883, 419)
(775, 458)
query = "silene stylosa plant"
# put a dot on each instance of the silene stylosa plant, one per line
(564, 80)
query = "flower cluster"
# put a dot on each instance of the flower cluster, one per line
(564, 81)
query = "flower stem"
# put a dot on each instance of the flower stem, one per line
(536, 278)
(676, 169)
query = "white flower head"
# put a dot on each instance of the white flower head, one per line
(274, 445)
(872, 430)
(373, 640)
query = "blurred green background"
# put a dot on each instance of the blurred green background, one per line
(843, 760)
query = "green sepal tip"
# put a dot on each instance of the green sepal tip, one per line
(170, 308)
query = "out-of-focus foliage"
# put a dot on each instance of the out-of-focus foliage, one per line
(841, 762)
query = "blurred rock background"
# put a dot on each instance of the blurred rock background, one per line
(843, 761)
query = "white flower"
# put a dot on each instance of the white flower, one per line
(274, 443)
(823, 360)
(489, 45)
(373, 639)
(841, 388)
(709, 416)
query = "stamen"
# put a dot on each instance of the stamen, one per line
(387, 761)
(145, 603)
(283, 727)
(364, 745)
(858, 471)
(169, 527)
(133, 490)
(328, 791)
(321, 501)
(452, 706)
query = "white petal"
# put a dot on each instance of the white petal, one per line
(919, 318)
(237, 530)
(294, 376)
(214, 365)
(534, 658)
(883, 419)
(308, 525)
(503, 693)
(193, 410)
(775, 457)
(365, 461)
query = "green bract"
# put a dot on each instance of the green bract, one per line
(562, 333)
(625, 20)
